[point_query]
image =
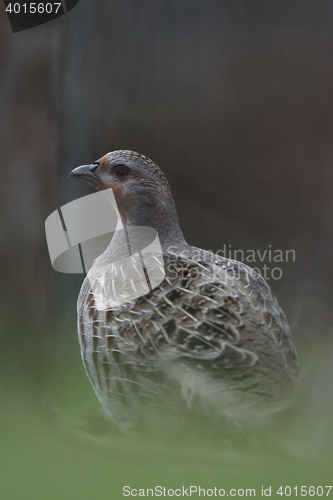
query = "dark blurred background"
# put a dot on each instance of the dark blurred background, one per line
(233, 99)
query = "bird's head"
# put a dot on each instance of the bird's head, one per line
(140, 188)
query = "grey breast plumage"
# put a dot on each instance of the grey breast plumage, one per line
(212, 337)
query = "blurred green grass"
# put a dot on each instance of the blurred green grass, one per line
(56, 445)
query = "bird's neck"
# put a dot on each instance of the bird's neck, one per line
(163, 218)
(135, 236)
(168, 234)
(153, 214)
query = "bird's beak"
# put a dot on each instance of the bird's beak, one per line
(84, 172)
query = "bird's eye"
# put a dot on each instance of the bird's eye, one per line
(121, 171)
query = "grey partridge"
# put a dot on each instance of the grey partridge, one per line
(211, 337)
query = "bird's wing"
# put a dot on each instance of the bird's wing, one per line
(200, 316)
(267, 311)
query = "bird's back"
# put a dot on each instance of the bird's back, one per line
(212, 337)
